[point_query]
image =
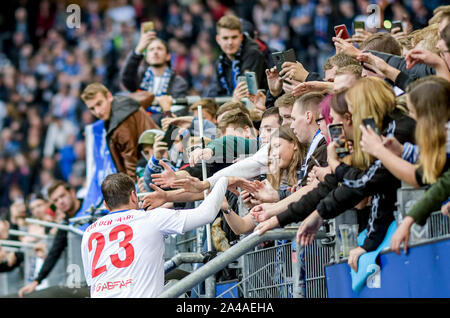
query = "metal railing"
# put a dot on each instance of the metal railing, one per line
(284, 270)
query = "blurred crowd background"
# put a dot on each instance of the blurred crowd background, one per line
(44, 65)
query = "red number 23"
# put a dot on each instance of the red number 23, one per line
(115, 260)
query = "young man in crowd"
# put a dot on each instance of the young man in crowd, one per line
(157, 78)
(125, 120)
(239, 54)
(63, 196)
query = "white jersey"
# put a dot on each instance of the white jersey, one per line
(123, 252)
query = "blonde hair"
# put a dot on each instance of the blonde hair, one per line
(353, 69)
(289, 173)
(429, 97)
(208, 105)
(426, 38)
(225, 107)
(439, 14)
(236, 119)
(230, 22)
(369, 97)
(92, 89)
(339, 60)
(285, 100)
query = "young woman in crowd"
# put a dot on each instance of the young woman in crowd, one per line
(285, 157)
(357, 176)
(428, 103)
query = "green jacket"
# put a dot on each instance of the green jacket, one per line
(432, 199)
(228, 148)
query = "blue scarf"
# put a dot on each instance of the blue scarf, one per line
(147, 85)
(235, 69)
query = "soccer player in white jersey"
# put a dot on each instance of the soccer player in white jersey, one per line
(123, 252)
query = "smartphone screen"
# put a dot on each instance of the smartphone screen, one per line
(397, 24)
(289, 56)
(371, 122)
(148, 26)
(342, 27)
(358, 25)
(251, 83)
(337, 134)
(278, 58)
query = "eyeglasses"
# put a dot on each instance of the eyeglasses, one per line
(320, 119)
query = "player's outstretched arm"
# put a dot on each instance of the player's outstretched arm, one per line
(207, 211)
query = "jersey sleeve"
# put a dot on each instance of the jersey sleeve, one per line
(168, 221)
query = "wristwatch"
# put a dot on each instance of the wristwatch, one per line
(227, 211)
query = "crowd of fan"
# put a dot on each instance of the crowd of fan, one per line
(276, 139)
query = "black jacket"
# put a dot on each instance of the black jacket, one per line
(252, 60)
(406, 75)
(58, 247)
(131, 76)
(343, 190)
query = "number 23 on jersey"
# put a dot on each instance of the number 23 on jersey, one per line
(113, 236)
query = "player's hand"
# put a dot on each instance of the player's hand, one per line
(238, 182)
(155, 199)
(190, 184)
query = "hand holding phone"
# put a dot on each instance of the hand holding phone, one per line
(148, 26)
(337, 135)
(170, 135)
(251, 83)
(397, 24)
(371, 122)
(281, 57)
(358, 25)
(344, 33)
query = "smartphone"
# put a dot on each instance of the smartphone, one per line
(397, 24)
(342, 27)
(278, 58)
(170, 135)
(251, 83)
(281, 57)
(289, 56)
(242, 78)
(148, 26)
(337, 134)
(371, 122)
(358, 25)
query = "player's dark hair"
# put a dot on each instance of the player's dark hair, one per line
(116, 190)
